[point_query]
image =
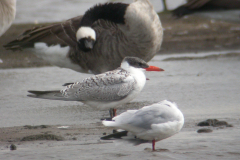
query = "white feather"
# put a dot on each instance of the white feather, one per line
(85, 32)
(56, 55)
(7, 14)
(155, 122)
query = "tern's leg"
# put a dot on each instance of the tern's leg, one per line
(113, 112)
(153, 145)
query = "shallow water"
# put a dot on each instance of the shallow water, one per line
(40, 11)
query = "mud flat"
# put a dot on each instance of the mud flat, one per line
(204, 83)
(204, 88)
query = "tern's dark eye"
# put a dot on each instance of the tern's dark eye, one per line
(143, 65)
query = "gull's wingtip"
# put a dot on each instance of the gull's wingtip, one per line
(117, 135)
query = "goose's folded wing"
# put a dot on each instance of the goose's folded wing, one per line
(63, 34)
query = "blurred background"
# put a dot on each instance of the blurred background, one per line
(191, 26)
(39, 11)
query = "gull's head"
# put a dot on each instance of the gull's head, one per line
(86, 38)
(138, 63)
(168, 103)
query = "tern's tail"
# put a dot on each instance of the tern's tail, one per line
(54, 95)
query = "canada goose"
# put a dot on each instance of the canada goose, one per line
(99, 40)
(148, 124)
(7, 14)
(197, 5)
(107, 90)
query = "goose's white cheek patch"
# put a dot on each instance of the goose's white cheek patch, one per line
(85, 32)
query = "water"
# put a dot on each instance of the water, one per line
(39, 11)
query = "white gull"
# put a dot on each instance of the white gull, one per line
(148, 124)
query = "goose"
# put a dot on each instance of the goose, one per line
(147, 125)
(99, 40)
(106, 90)
(7, 14)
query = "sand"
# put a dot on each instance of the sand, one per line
(203, 85)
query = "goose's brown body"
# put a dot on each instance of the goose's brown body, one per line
(139, 34)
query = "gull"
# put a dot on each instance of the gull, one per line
(7, 14)
(148, 124)
(99, 40)
(107, 90)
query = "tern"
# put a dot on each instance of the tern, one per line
(99, 40)
(7, 14)
(148, 124)
(107, 90)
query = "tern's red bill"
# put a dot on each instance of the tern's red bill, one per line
(153, 68)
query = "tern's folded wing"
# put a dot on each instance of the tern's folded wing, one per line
(110, 86)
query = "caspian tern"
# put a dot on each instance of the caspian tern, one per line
(107, 90)
(7, 14)
(148, 124)
(99, 40)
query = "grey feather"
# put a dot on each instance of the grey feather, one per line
(66, 84)
(145, 117)
(51, 35)
(53, 95)
(109, 86)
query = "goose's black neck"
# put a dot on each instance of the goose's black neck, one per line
(113, 12)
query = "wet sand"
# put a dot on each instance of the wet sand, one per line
(203, 85)
(203, 88)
